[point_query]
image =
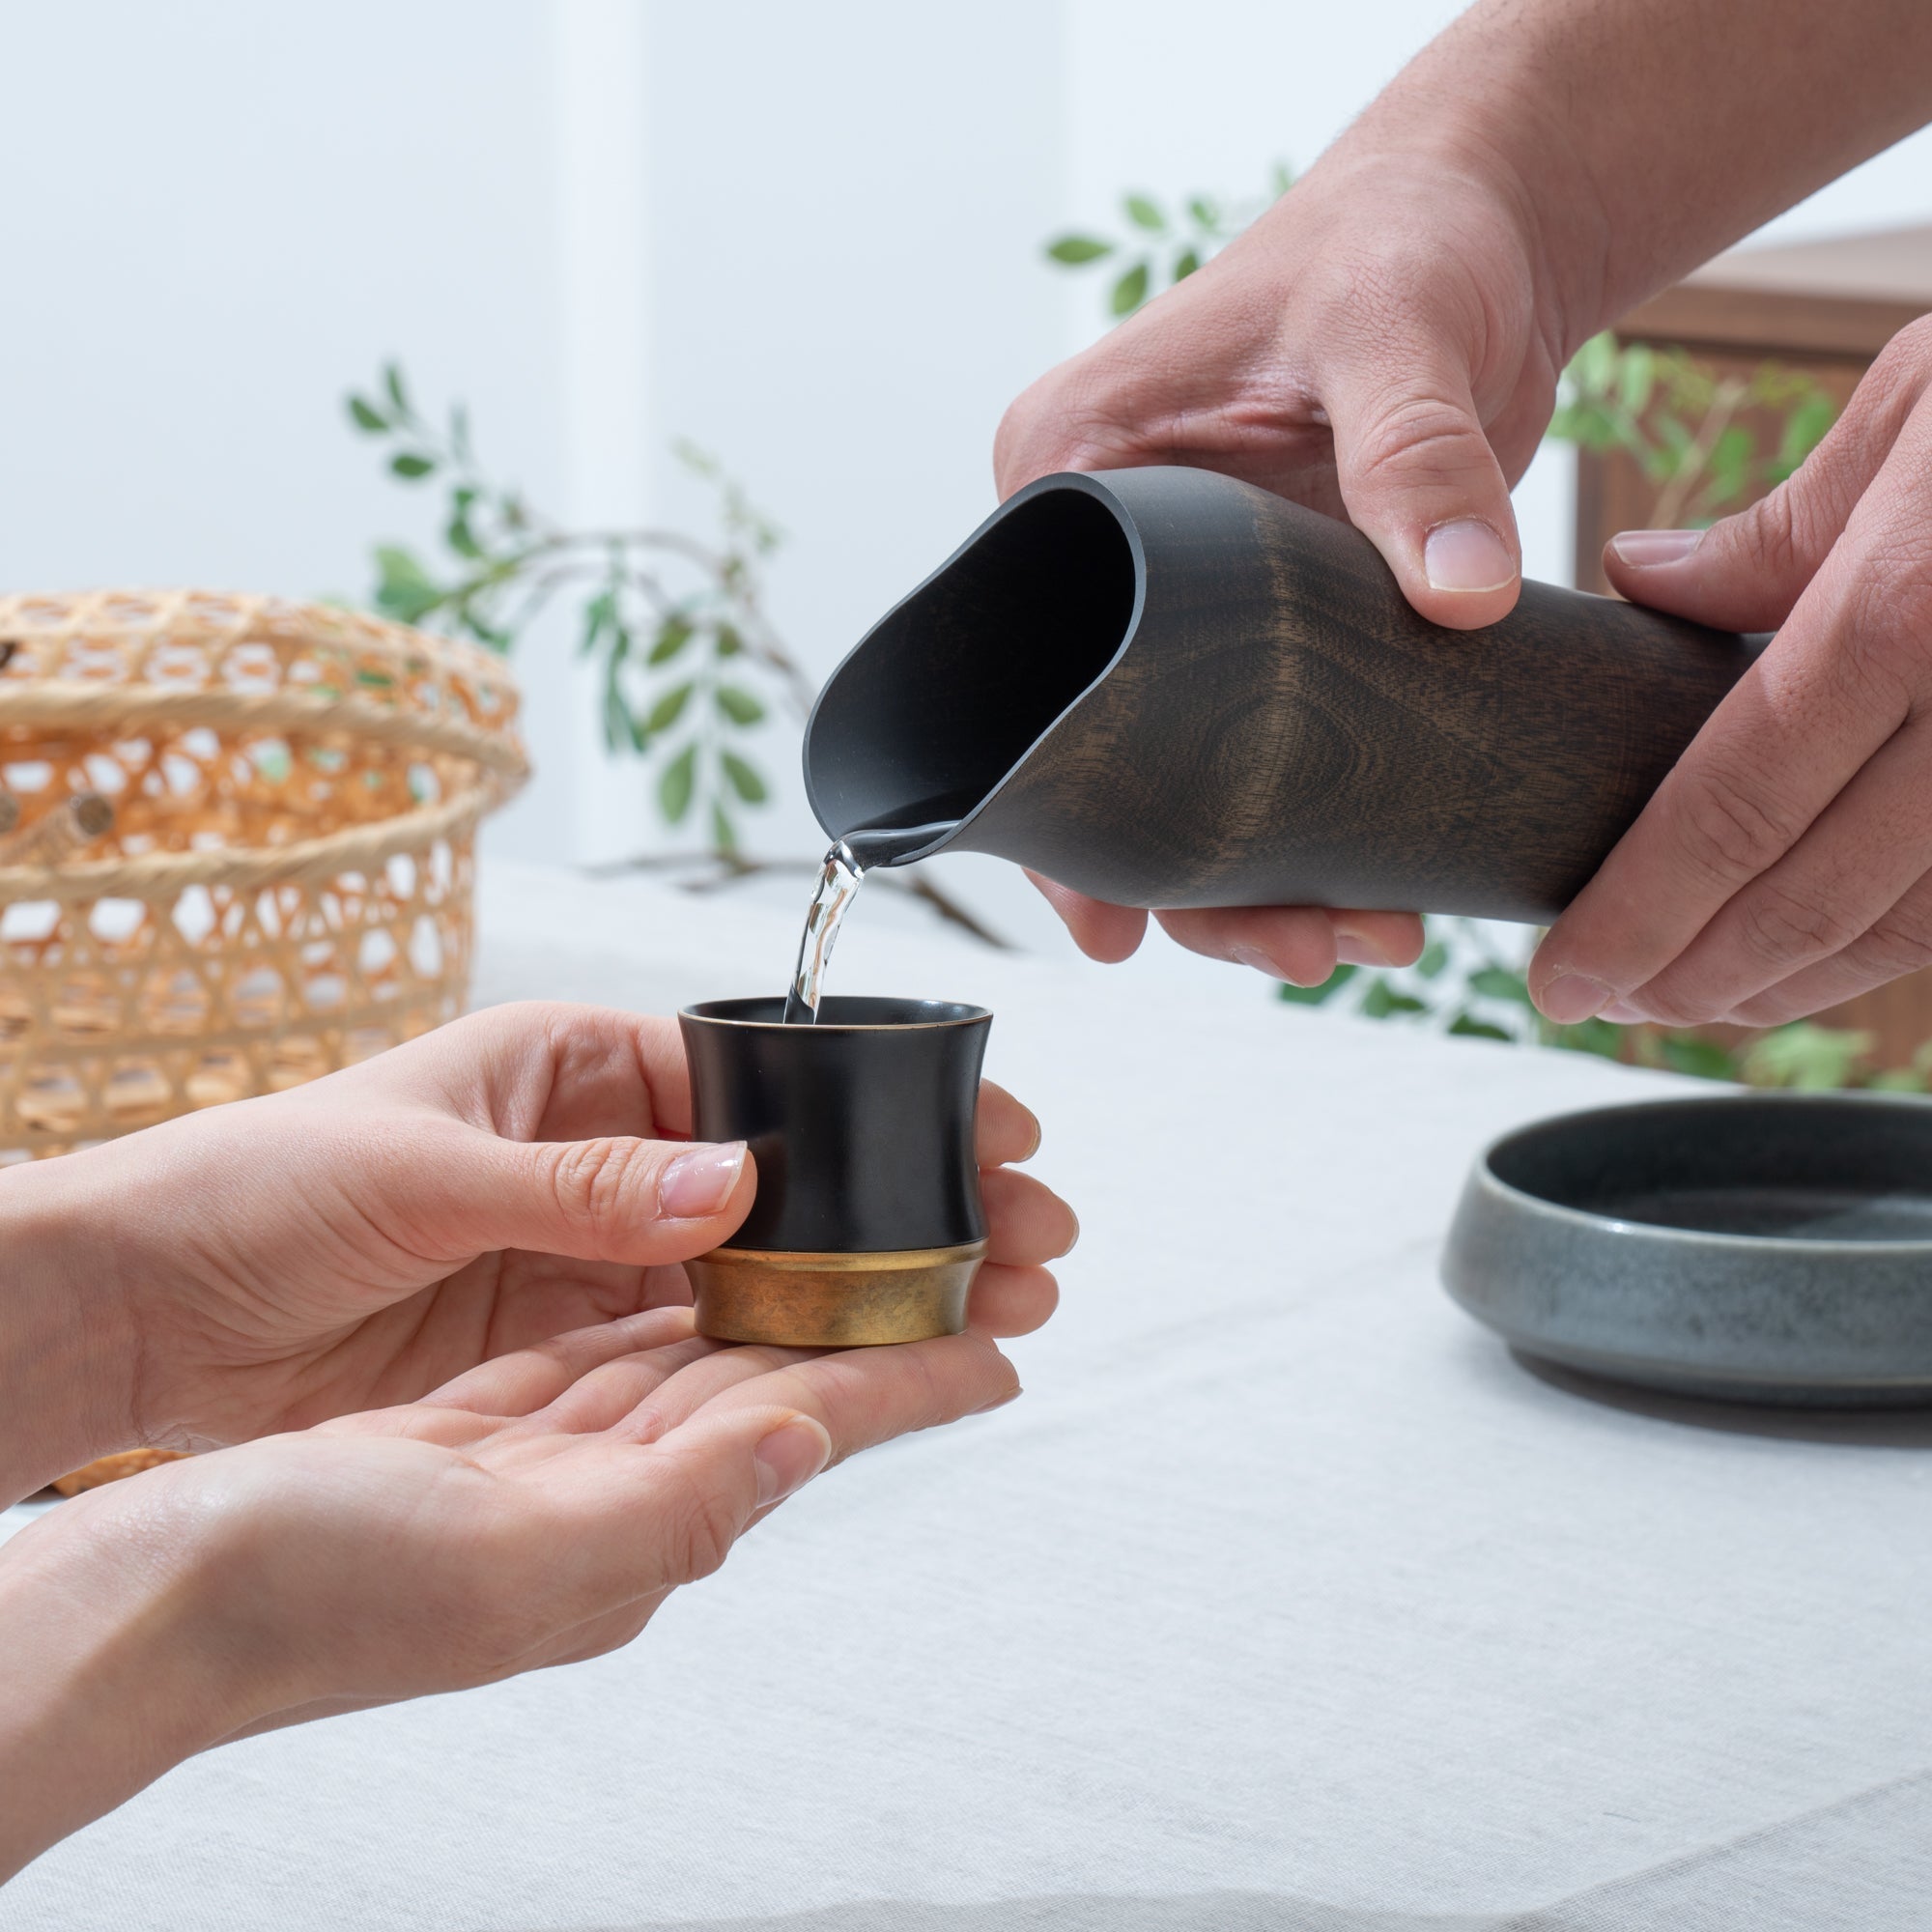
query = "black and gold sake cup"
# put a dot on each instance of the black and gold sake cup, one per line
(867, 1225)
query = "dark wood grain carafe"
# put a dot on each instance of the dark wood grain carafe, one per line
(1167, 688)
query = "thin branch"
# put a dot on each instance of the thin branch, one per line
(1670, 502)
(734, 867)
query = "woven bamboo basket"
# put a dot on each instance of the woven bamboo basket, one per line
(237, 844)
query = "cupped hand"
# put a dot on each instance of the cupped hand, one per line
(1787, 862)
(355, 1242)
(1374, 346)
(536, 1511)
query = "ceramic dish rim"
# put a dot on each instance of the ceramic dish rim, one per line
(1484, 1174)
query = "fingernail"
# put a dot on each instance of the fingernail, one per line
(1074, 1242)
(1644, 550)
(699, 1184)
(998, 1402)
(1252, 956)
(1466, 555)
(1358, 948)
(1571, 998)
(789, 1457)
(1623, 1012)
(1038, 1134)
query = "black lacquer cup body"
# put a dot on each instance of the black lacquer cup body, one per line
(867, 1225)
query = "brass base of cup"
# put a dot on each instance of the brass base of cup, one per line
(833, 1302)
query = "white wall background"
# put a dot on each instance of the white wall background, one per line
(806, 238)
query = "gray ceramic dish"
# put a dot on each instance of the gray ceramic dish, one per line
(1764, 1247)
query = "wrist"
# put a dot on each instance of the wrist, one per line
(67, 1350)
(1515, 198)
(1472, 121)
(120, 1664)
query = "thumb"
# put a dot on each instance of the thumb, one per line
(614, 1198)
(1746, 571)
(1419, 479)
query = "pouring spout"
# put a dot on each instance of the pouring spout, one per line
(947, 693)
(873, 845)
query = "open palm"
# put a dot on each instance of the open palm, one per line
(358, 1241)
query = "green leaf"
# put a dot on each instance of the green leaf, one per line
(746, 780)
(1314, 996)
(619, 727)
(1282, 179)
(1897, 1080)
(1813, 1059)
(1435, 957)
(1734, 449)
(1686, 1053)
(675, 784)
(1383, 1002)
(725, 640)
(1676, 436)
(1803, 431)
(1589, 424)
(1130, 291)
(409, 466)
(498, 641)
(1074, 251)
(599, 614)
(1204, 214)
(392, 381)
(1499, 983)
(1594, 366)
(674, 634)
(1142, 213)
(621, 730)
(366, 416)
(723, 833)
(1636, 378)
(405, 590)
(669, 708)
(738, 704)
(1468, 1026)
(460, 538)
(1602, 1037)
(1185, 262)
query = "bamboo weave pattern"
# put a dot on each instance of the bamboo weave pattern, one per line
(283, 885)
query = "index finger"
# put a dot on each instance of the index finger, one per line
(1006, 1131)
(550, 1071)
(863, 1397)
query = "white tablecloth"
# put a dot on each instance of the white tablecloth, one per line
(1284, 1598)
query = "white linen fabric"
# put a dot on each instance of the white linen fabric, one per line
(1284, 1599)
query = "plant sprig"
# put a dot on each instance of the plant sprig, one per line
(1160, 249)
(689, 662)
(1678, 419)
(1464, 985)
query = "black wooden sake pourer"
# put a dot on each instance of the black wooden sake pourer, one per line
(1166, 688)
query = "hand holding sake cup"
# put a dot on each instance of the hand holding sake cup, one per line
(869, 1224)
